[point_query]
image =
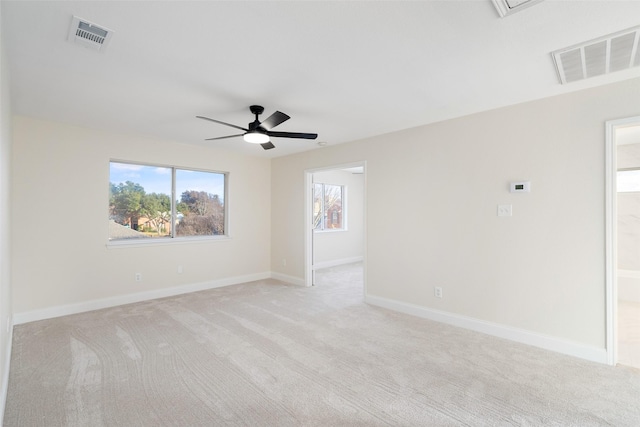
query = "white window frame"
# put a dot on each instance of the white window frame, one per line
(344, 209)
(169, 240)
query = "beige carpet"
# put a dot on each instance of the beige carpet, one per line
(270, 354)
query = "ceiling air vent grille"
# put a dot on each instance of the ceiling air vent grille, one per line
(89, 34)
(507, 7)
(604, 55)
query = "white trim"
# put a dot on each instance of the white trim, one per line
(331, 230)
(337, 262)
(611, 270)
(502, 6)
(7, 368)
(523, 336)
(308, 229)
(64, 310)
(139, 243)
(288, 279)
(173, 239)
(610, 244)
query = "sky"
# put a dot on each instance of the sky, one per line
(157, 179)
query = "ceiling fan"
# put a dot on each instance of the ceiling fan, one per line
(259, 132)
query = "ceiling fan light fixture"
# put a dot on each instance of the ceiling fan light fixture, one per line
(259, 132)
(256, 137)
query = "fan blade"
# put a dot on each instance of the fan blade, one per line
(274, 120)
(222, 123)
(293, 135)
(223, 137)
(268, 145)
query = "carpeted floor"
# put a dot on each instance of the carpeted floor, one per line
(270, 354)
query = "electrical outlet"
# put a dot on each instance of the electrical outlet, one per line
(180, 270)
(284, 262)
(437, 291)
(505, 210)
(138, 277)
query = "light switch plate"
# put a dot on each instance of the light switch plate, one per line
(505, 210)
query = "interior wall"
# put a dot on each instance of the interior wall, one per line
(5, 223)
(335, 247)
(432, 196)
(59, 208)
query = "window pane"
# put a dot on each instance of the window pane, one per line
(333, 206)
(200, 204)
(139, 201)
(317, 207)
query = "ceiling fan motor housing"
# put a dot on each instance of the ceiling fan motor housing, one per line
(257, 110)
(255, 125)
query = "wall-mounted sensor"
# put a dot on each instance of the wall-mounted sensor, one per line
(520, 187)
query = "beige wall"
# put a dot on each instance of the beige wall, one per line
(5, 249)
(541, 270)
(59, 210)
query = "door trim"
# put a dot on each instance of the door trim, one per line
(611, 214)
(308, 229)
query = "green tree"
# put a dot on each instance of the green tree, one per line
(126, 203)
(157, 208)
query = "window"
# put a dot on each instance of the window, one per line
(160, 202)
(327, 207)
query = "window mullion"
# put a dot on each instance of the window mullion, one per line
(174, 210)
(323, 219)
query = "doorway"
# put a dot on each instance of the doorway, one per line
(335, 225)
(623, 242)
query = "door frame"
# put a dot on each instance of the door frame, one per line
(611, 216)
(308, 229)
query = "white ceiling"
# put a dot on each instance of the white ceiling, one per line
(343, 69)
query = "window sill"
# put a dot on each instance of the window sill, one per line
(331, 230)
(136, 243)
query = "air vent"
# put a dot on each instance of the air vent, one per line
(604, 55)
(507, 7)
(89, 34)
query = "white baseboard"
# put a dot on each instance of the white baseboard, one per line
(514, 334)
(523, 336)
(7, 367)
(337, 262)
(64, 310)
(287, 279)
